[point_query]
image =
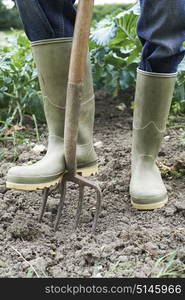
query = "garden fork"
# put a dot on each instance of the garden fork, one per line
(74, 95)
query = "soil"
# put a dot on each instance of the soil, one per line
(127, 243)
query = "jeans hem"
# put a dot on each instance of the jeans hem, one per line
(155, 74)
(51, 41)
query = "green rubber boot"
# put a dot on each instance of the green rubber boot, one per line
(153, 97)
(52, 59)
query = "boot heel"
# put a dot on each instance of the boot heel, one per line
(149, 206)
(88, 171)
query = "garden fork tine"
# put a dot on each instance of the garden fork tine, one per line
(62, 188)
(45, 193)
(73, 101)
(82, 182)
(44, 201)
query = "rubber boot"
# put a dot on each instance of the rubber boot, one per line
(52, 57)
(153, 97)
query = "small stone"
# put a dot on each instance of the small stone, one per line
(98, 145)
(27, 253)
(57, 272)
(180, 206)
(24, 157)
(123, 258)
(151, 248)
(6, 217)
(167, 138)
(121, 107)
(169, 211)
(39, 149)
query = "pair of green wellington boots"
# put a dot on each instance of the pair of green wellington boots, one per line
(152, 103)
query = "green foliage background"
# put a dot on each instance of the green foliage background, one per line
(9, 18)
(101, 11)
(19, 89)
(115, 51)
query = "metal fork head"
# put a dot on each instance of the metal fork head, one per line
(82, 182)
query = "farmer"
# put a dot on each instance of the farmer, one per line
(161, 28)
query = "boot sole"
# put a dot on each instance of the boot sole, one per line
(83, 171)
(149, 206)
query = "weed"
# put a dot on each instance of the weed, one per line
(179, 173)
(167, 266)
(182, 139)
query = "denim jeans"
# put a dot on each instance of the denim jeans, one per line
(46, 19)
(161, 28)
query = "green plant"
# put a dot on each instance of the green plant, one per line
(9, 18)
(115, 50)
(101, 11)
(16, 135)
(20, 99)
(19, 91)
(167, 266)
(179, 173)
(178, 103)
(182, 139)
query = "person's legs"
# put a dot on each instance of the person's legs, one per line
(49, 25)
(161, 28)
(46, 19)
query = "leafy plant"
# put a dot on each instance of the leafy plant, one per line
(9, 18)
(178, 104)
(115, 50)
(19, 89)
(101, 11)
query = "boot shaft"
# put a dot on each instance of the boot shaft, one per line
(153, 98)
(52, 58)
(152, 104)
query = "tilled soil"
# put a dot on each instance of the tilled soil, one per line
(127, 243)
